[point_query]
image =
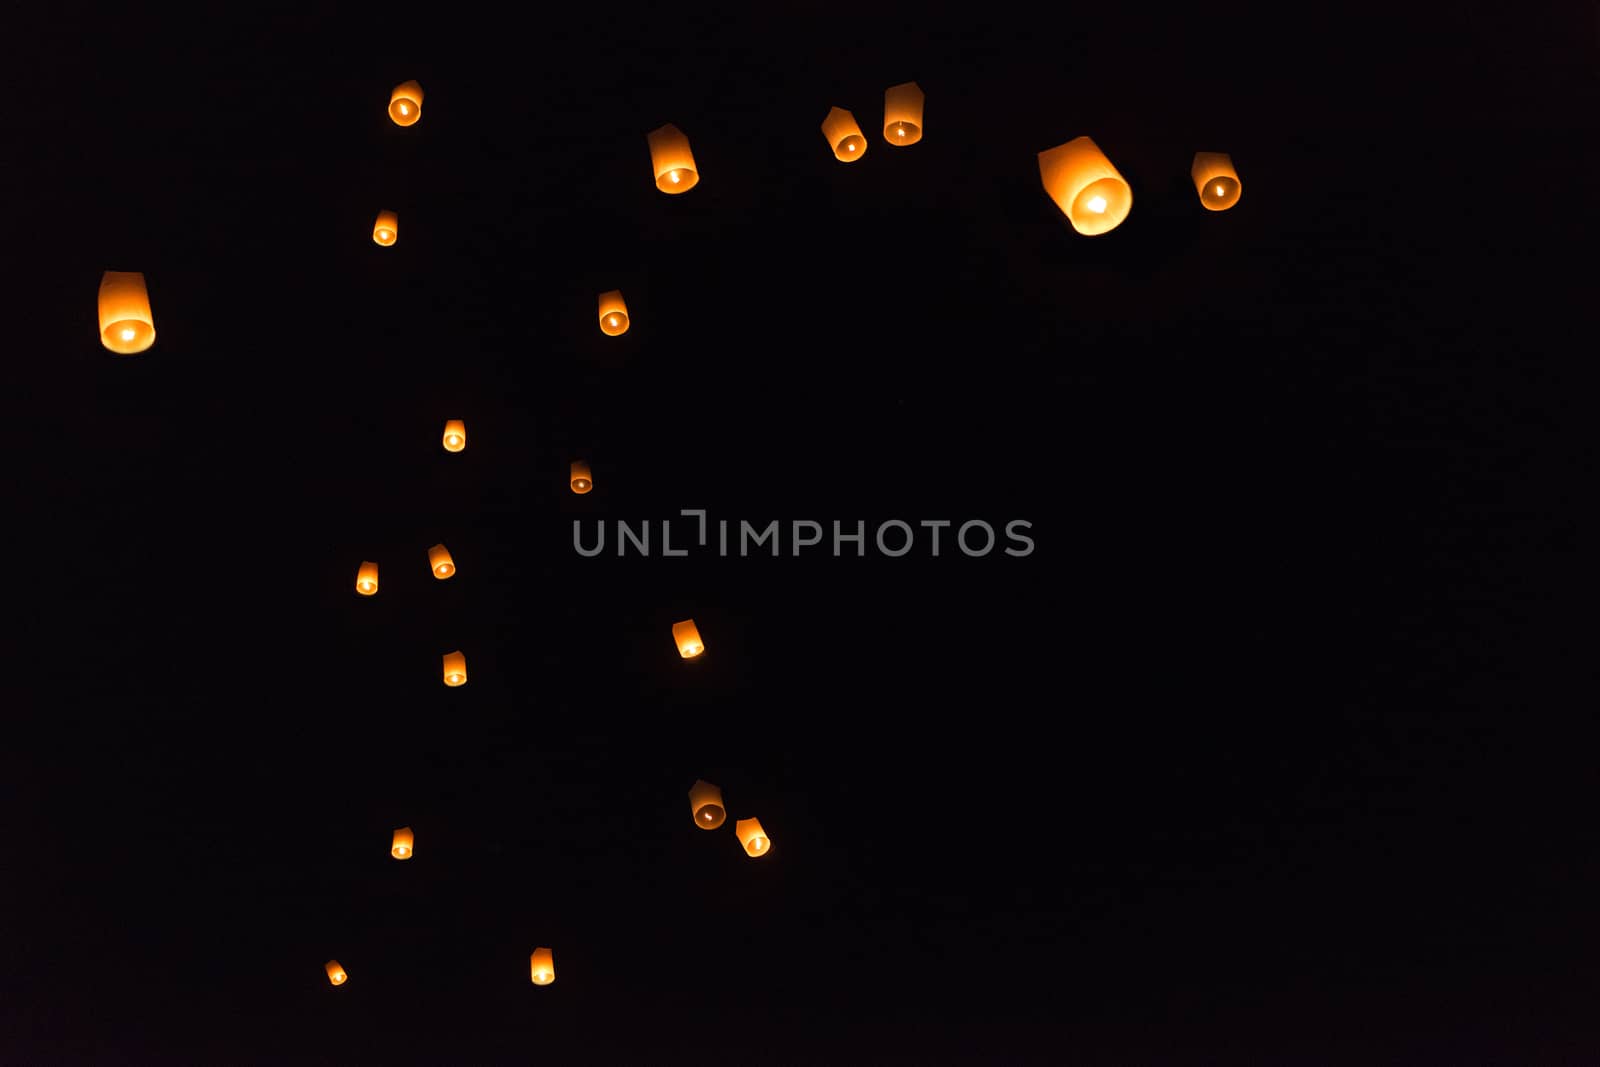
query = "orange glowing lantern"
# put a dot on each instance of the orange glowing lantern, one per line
(753, 837)
(455, 435)
(705, 801)
(386, 231)
(1085, 186)
(613, 313)
(672, 160)
(367, 578)
(403, 845)
(1215, 180)
(902, 114)
(336, 973)
(688, 639)
(405, 104)
(843, 135)
(455, 668)
(543, 965)
(440, 563)
(126, 326)
(582, 481)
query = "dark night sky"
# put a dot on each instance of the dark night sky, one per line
(1272, 751)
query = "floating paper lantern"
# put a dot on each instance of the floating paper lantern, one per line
(367, 578)
(455, 668)
(843, 135)
(336, 973)
(705, 801)
(1085, 186)
(126, 326)
(902, 114)
(386, 231)
(582, 481)
(613, 313)
(1215, 180)
(688, 639)
(455, 435)
(405, 104)
(752, 836)
(440, 563)
(672, 160)
(543, 965)
(402, 846)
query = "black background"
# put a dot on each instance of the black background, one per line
(1270, 750)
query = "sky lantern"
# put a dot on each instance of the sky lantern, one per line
(403, 845)
(440, 563)
(844, 135)
(405, 104)
(386, 231)
(753, 837)
(902, 114)
(336, 973)
(455, 668)
(613, 313)
(543, 965)
(1085, 186)
(672, 160)
(126, 326)
(705, 801)
(1215, 180)
(367, 578)
(688, 639)
(455, 435)
(582, 480)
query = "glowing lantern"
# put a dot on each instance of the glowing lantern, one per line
(1085, 186)
(386, 231)
(455, 435)
(902, 114)
(402, 846)
(688, 639)
(752, 837)
(126, 327)
(440, 563)
(543, 965)
(843, 135)
(582, 481)
(613, 313)
(672, 160)
(455, 668)
(705, 800)
(1215, 180)
(405, 104)
(336, 973)
(367, 578)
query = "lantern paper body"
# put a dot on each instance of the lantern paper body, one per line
(582, 480)
(1215, 180)
(843, 135)
(705, 801)
(405, 104)
(126, 326)
(688, 639)
(455, 435)
(1085, 186)
(613, 313)
(440, 563)
(403, 845)
(455, 668)
(336, 973)
(367, 579)
(386, 230)
(753, 837)
(902, 114)
(543, 966)
(672, 160)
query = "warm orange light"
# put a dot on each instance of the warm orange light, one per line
(1085, 186)
(753, 837)
(688, 639)
(440, 563)
(902, 114)
(386, 231)
(582, 480)
(543, 966)
(844, 135)
(613, 313)
(336, 973)
(367, 578)
(126, 326)
(455, 435)
(705, 801)
(405, 104)
(1215, 180)
(403, 845)
(455, 668)
(672, 160)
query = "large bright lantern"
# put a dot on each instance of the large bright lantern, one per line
(1085, 186)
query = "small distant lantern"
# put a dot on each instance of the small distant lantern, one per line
(126, 326)
(455, 435)
(367, 578)
(440, 563)
(705, 801)
(844, 135)
(405, 104)
(688, 639)
(386, 230)
(752, 837)
(543, 965)
(613, 313)
(672, 160)
(582, 481)
(403, 845)
(902, 114)
(336, 973)
(1085, 186)
(455, 668)
(1215, 180)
